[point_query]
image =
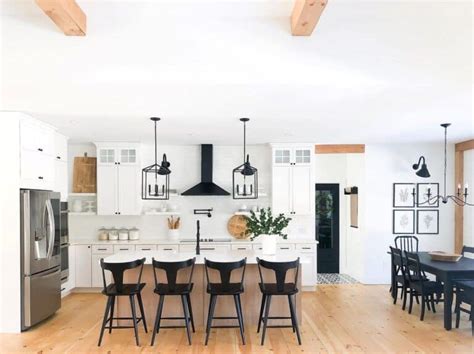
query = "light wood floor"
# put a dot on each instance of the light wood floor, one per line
(336, 319)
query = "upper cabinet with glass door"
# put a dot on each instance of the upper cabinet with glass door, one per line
(117, 155)
(295, 155)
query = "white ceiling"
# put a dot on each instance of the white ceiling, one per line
(373, 71)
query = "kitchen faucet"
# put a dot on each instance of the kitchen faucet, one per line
(198, 226)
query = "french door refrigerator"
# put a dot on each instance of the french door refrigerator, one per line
(40, 255)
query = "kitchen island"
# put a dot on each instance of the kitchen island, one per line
(251, 297)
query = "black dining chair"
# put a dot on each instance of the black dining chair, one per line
(225, 288)
(400, 280)
(407, 243)
(119, 288)
(464, 294)
(467, 249)
(420, 285)
(280, 288)
(172, 288)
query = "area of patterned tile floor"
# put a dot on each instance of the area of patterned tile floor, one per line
(334, 278)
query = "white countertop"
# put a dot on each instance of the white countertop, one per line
(220, 257)
(86, 241)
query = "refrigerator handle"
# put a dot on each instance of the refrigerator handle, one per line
(51, 230)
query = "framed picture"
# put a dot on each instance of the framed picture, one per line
(422, 195)
(403, 221)
(427, 222)
(403, 195)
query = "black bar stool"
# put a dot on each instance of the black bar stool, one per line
(225, 288)
(171, 288)
(118, 288)
(278, 289)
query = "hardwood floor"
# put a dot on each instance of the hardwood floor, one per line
(336, 319)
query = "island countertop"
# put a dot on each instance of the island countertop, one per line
(227, 256)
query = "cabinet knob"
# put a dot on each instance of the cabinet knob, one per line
(40, 177)
(40, 149)
(58, 157)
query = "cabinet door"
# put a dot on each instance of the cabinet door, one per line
(282, 156)
(37, 170)
(96, 272)
(83, 266)
(107, 189)
(128, 189)
(127, 156)
(106, 156)
(60, 179)
(308, 270)
(60, 147)
(281, 189)
(301, 189)
(302, 156)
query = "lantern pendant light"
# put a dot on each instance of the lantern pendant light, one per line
(156, 177)
(245, 176)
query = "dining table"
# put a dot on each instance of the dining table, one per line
(447, 273)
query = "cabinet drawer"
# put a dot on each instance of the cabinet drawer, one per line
(168, 248)
(145, 248)
(286, 247)
(241, 247)
(305, 248)
(102, 249)
(205, 248)
(124, 248)
(257, 247)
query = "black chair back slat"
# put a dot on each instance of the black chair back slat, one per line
(280, 269)
(407, 243)
(171, 269)
(118, 269)
(225, 270)
(413, 268)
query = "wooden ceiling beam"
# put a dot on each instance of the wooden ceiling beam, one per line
(66, 14)
(339, 149)
(305, 16)
(465, 145)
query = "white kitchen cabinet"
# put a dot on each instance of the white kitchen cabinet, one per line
(118, 179)
(60, 147)
(37, 170)
(36, 136)
(83, 264)
(96, 272)
(308, 270)
(61, 179)
(292, 183)
(205, 248)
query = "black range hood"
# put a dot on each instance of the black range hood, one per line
(206, 187)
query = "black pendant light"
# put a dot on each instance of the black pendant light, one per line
(156, 177)
(245, 176)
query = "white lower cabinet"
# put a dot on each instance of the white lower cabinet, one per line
(308, 270)
(83, 266)
(205, 248)
(96, 271)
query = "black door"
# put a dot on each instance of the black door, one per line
(327, 227)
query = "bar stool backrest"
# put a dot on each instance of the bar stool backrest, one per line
(280, 269)
(407, 243)
(225, 270)
(467, 249)
(118, 269)
(171, 269)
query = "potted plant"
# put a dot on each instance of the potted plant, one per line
(267, 227)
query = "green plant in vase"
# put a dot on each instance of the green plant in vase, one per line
(264, 223)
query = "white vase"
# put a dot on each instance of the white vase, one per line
(269, 243)
(173, 234)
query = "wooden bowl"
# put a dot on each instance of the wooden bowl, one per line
(444, 256)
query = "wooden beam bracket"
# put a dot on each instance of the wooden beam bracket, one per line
(305, 16)
(339, 149)
(66, 14)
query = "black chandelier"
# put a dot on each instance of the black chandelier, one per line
(245, 176)
(460, 198)
(156, 178)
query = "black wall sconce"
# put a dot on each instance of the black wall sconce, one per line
(423, 170)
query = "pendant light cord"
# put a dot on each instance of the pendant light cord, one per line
(245, 141)
(156, 147)
(445, 158)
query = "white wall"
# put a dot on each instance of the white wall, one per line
(387, 164)
(469, 211)
(10, 316)
(186, 172)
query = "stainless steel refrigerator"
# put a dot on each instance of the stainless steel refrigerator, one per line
(40, 255)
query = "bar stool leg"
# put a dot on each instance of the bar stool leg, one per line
(188, 298)
(262, 307)
(156, 327)
(212, 306)
(104, 320)
(134, 317)
(112, 306)
(238, 312)
(294, 318)
(265, 318)
(241, 312)
(186, 317)
(140, 304)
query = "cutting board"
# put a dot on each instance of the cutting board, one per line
(237, 226)
(84, 175)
